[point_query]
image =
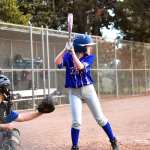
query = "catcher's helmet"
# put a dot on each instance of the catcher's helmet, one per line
(4, 81)
(81, 41)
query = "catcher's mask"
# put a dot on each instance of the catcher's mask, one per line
(80, 42)
(4, 87)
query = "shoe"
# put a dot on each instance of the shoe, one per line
(75, 148)
(114, 144)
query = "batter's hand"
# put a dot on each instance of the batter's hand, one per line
(69, 46)
(47, 105)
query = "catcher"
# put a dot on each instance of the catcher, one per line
(9, 135)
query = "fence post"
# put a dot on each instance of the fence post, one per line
(43, 55)
(97, 64)
(48, 63)
(32, 57)
(116, 69)
(12, 73)
(145, 67)
(132, 69)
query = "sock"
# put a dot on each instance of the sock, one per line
(75, 136)
(108, 130)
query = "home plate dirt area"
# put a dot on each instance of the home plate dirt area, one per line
(130, 119)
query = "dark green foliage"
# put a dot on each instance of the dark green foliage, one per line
(41, 12)
(131, 16)
(9, 12)
(53, 13)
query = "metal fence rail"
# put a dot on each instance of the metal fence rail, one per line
(28, 53)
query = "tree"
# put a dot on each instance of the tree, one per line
(91, 15)
(9, 12)
(41, 11)
(54, 13)
(132, 17)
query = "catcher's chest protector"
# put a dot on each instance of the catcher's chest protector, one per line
(2, 112)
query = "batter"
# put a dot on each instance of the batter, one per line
(78, 59)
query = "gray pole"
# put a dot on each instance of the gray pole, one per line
(116, 68)
(53, 5)
(132, 68)
(37, 72)
(56, 83)
(12, 67)
(97, 64)
(43, 53)
(32, 57)
(145, 64)
(48, 63)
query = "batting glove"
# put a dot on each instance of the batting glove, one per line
(69, 46)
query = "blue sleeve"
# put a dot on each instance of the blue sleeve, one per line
(88, 62)
(11, 117)
(63, 64)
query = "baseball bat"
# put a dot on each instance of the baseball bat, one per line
(70, 25)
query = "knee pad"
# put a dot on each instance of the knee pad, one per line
(15, 136)
(11, 140)
(76, 125)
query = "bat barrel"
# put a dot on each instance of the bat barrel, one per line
(70, 24)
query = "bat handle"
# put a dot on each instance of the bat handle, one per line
(69, 37)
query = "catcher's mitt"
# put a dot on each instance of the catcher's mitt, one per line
(47, 105)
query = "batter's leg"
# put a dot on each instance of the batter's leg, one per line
(76, 111)
(95, 107)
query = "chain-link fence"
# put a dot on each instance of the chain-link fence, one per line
(27, 58)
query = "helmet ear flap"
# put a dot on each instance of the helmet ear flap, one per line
(80, 49)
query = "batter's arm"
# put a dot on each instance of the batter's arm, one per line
(79, 64)
(59, 57)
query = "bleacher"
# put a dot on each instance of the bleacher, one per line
(28, 99)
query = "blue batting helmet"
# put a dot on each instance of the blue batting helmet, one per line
(81, 41)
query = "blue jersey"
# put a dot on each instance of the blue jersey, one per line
(11, 117)
(77, 78)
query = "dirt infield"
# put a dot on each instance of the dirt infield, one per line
(129, 117)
